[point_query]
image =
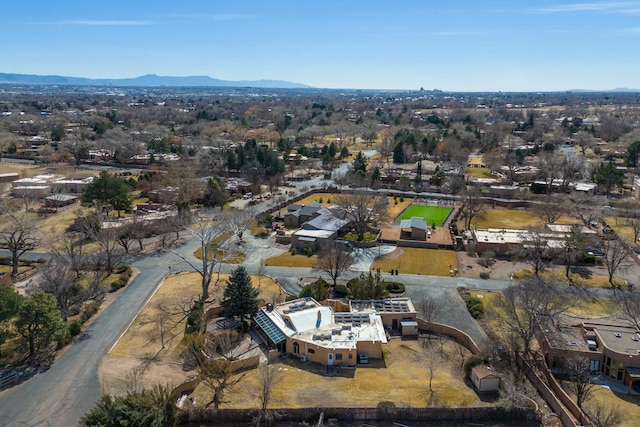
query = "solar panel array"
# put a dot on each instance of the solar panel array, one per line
(269, 327)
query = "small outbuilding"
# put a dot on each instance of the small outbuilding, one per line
(484, 378)
(414, 228)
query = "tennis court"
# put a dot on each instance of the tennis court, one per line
(431, 214)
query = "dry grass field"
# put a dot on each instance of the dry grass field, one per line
(620, 227)
(142, 342)
(432, 262)
(591, 280)
(627, 405)
(327, 199)
(499, 217)
(402, 378)
(288, 260)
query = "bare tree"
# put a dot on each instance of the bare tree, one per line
(575, 243)
(587, 207)
(630, 305)
(333, 261)
(70, 250)
(429, 308)
(615, 256)
(236, 222)
(269, 376)
(580, 371)
(527, 305)
(215, 364)
(57, 279)
(602, 415)
(105, 235)
(386, 148)
(205, 231)
(362, 209)
(18, 235)
(534, 249)
(550, 209)
(472, 207)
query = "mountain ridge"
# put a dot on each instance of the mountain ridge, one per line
(147, 80)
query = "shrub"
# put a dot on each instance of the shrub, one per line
(394, 287)
(484, 275)
(401, 198)
(320, 200)
(75, 328)
(64, 338)
(309, 252)
(118, 284)
(195, 314)
(293, 250)
(475, 307)
(341, 291)
(328, 199)
(89, 311)
(385, 404)
(121, 268)
(470, 363)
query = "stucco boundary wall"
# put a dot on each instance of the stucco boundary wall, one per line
(455, 333)
(494, 201)
(515, 416)
(563, 412)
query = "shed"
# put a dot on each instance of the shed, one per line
(409, 328)
(415, 228)
(484, 378)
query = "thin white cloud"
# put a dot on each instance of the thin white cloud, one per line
(90, 23)
(635, 30)
(208, 17)
(617, 7)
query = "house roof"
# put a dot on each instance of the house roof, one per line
(414, 222)
(314, 233)
(61, 198)
(325, 221)
(483, 371)
(307, 320)
(310, 209)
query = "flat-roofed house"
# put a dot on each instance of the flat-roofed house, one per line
(317, 333)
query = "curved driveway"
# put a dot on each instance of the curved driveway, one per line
(70, 388)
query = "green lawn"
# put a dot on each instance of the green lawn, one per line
(431, 214)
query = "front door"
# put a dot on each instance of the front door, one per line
(330, 359)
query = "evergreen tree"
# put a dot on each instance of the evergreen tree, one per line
(108, 190)
(39, 321)
(608, 176)
(240, 296)
(9, 306)
(150, 408)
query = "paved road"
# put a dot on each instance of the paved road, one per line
(70, 388)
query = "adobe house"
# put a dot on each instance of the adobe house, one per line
(612, 349)
(331, 335)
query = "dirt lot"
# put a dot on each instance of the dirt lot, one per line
(402, 377)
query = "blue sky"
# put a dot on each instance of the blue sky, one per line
(393, 44)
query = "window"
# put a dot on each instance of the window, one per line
(296, 348)
(311, 351)
(350, 356)
(338, 356)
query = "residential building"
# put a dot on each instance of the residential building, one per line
(339, 334)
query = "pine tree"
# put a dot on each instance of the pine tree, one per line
(240, 296)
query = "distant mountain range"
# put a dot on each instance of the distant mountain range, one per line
(148, 80)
